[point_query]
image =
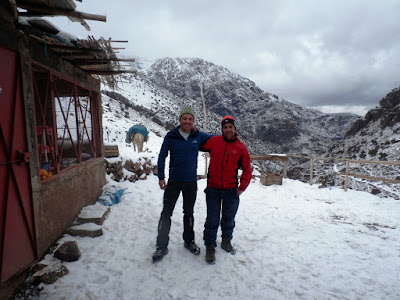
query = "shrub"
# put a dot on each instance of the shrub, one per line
(382, 155)
(373, 152)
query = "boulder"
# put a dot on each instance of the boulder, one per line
(69, 251)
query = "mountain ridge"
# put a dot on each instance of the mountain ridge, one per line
(281, 125)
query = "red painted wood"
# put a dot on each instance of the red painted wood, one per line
(17, 229)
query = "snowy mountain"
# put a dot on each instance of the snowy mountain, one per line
(376, 137)
(266, 122)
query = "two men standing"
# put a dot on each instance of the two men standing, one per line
(227, 155)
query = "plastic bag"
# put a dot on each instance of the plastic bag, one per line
(111, 195)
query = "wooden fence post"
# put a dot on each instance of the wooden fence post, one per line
(346, 178)
(205, 168)
(285, 169)
(205, 122)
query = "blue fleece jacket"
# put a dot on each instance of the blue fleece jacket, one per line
(183, 159)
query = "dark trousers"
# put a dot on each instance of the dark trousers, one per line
(171, 194)
(216, 199)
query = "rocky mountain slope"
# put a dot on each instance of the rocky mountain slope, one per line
(268, 123)
(377, 135)
(374, 138)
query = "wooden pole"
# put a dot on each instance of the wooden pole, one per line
(311, 170)
(346, 178)
(14, 9)
(59, 12)
(205, 124)
(204, 106)
(110, 72)
(285, 169)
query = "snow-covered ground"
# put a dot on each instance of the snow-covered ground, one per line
(294, 241)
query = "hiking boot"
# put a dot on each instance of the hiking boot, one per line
(159, 254)
(192, 247)
(227, 246)
(210, 254)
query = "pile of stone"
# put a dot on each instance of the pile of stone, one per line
(87, 224)
(114, 168)
(133, 170)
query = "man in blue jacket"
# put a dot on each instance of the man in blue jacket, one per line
(183, 145)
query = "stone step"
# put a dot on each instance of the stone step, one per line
(96, 213)
(85, 230)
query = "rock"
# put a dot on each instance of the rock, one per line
(147, 170)
(50, 274)
(38, 267)
(155, 170)
(133, 178)
(96, 213)
(375, 191)
(69, 251)
(139, 168)
(86, 230)
(136, 167)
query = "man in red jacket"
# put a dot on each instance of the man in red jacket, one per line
(227, 155)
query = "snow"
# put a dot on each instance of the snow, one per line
(87, 226)
(293, 241)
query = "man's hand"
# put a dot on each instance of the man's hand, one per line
(239, 191)
(162, 184)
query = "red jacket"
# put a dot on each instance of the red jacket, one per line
(226, 159)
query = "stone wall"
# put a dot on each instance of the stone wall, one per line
(60, 200)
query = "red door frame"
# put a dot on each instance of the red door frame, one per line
(18, 247)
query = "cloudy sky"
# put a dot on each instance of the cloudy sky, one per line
(336, 56)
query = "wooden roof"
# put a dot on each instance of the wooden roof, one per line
(94, 56)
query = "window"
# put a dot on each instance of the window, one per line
(67, 122)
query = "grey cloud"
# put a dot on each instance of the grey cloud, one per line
(336, 53)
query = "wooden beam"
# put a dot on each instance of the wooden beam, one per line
(373, 162)
(38, 9)
(370, 177)
(71, 57)
(14, 9)
(270, 157)
(74, 49)
(110, 72)
(92, 61)
(108, 60)
(83, 63)
(330, 159)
